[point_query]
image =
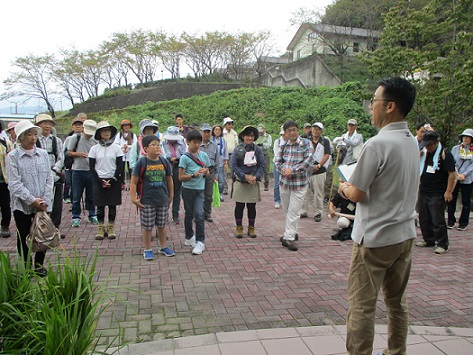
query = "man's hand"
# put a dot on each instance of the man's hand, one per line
(448, 196)
(137, 203)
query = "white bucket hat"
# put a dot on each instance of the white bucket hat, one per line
(467, 132)
(23, 126)
(90, 126)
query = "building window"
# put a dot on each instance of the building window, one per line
(356, 47)
(299, 54)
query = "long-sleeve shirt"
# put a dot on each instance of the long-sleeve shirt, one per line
(211, 149)
(298, 157)
(464, 166)
(29, 177)
(174, 150)
(240, 169)
(222, 150)
(350, 142)
(56, 158)
(265, 141)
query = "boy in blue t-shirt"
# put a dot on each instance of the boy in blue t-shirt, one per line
(193, 168)
(151, 190)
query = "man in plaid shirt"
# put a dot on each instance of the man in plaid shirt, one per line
(294, 163)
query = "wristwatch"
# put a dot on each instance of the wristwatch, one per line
(192, 176)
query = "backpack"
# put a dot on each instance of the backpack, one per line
(68, 161)
(43, 234)
(54, 152)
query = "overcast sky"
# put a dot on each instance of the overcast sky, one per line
(40, 27)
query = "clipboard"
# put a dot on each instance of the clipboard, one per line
(345, 171)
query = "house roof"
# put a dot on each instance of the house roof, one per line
(322, 29)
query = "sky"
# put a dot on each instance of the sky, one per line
(42, 27)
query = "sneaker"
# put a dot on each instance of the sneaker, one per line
(93, 220)
(198, 249)
(461, 228)
(5, 232)
(440, 250)
(450, 226)
(111, 231)
(67, 200)
(208, 219)
(277, 205)
(190, 242)
(221, 199)
(290, 244)
(423, 244)
(166, 251)
(76, 222)
(303, 215)
(318, 217)
(148, 254)
(296, 237)
(266, 188)
(41, 272)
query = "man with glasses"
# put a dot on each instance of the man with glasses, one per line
(294, 164)
(383, 185)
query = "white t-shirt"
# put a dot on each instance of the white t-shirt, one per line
(105, 159)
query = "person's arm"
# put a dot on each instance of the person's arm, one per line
(133, 197)
(267, 144)
(170, 185)
(351, 192)
(133, 155)
(353, 142)
(15, 186)
(59, 164)
(450, 186)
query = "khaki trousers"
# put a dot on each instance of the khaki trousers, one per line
(372, 268)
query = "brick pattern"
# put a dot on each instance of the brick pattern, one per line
(251, 284)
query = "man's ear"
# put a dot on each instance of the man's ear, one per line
(145, 149)
(391, 106)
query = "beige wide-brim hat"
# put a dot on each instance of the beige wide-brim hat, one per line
(23, 126)
(42, 117)
(102, 125)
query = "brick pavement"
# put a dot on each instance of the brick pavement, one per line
(252, 284)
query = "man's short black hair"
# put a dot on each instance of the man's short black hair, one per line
(179, 115)
(193, 135)
(290, 124)
(401, 91)
(146, 141)
(420, 125)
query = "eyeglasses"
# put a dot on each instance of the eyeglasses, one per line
(292, 130)
(154, 145)
(372, 100)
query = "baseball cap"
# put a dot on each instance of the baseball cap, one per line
(90, 126)
(352, 121)
(307, 124)
(318, 124)
(429, 137)
(205, 127)
(227, 120)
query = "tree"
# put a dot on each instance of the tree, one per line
(171, 52)
(33, 80)
(432, 47)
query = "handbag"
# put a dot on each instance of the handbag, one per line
(43, 233)
(215, 195)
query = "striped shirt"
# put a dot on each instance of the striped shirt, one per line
(298, 157)
(56, 161)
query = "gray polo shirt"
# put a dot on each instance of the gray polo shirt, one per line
(83, 146)
(388, 171)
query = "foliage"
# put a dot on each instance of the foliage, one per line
(270, 106)
(54, 315)
(433, 47)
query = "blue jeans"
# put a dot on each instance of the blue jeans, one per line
(82, 179)
(194, 209)
(277, 196)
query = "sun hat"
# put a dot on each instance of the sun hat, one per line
(173, 134)
(467, 132)
(307, 125)
(11, 125)
(281, 130)
(126, 122)
(24, 126)
(352, 121)
(227, 120)
(205, 127)
(155, 122)
(42, 117)
(147, 123)
(429, 137)
(102, 125)
(246, 130)
(318, 124)
(90, 126)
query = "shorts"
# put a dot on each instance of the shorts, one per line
(151, 216)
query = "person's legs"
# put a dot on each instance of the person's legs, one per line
(176, 201)
(56, 213)
(147, 220)
(439, 226)
(5, 205)
(266, 171)
(319, 184)
(238, 213)
(294, 200)
(187, 198)
(221, 179)
(277, 196)
(199, 215)
(89, 194)
(208, 190)
(452, 206)
(251, 210)
(78, 178)
(466, 190)
(425, 220)
(308, 198)
(23, 224)
(67, 185)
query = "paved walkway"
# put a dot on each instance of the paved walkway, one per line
(257, 287)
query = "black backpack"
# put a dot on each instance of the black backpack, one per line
(68, 161)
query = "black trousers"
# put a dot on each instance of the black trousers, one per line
(466, 190)
(56, 213)
(23, 225)
(208, 192)
(432, 219)
(5, 205)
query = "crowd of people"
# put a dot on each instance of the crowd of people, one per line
(396, 176)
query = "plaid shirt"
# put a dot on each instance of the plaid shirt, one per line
(55, 162)
(298, 157)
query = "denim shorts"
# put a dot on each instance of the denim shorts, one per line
(151, 216)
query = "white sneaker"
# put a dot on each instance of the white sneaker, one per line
(277, 205)
(190, 242)
(198, 249)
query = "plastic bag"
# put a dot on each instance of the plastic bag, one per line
(43, 233)
(216, 195)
